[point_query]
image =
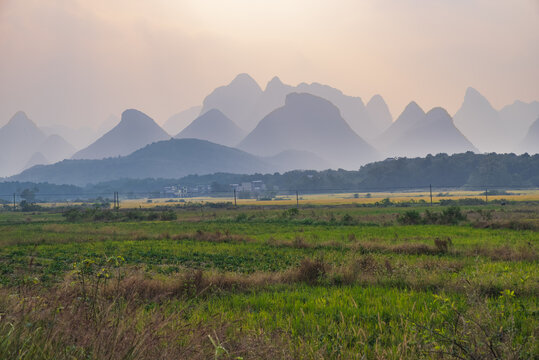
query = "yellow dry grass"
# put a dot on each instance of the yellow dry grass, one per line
(340, 198)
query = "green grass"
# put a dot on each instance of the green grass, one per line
(380, 292)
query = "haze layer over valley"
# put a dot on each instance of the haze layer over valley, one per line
(285, 127)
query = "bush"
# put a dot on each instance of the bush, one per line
(443, 244)
(134, 215)
(452, 216)
(311, 271)
(169, 216)
(410, 217)
(153, 216)
(290, 213)
(348, 219)
(72, 215)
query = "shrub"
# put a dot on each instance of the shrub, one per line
(443, 244)
(169, 215)
(241, 217)
(153, 216)
(431, 217)
(452, 216)
(290, 213)
(347, 219)
(134, 215)
(311, 271)
(73, 215)
(410, 217)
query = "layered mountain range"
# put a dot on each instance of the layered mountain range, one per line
(171, 159)
(491, 130)
(309, 123)
(134, 131)
(245, 103)
(416, 134)
(24, 144)
(213, 126)
(281, 127)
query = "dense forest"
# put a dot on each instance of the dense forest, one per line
(468, 170)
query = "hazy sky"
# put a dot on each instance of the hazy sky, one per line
(78, 61)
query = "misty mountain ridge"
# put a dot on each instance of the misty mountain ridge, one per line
(246, 104)
(313, 124)
(530, 144)
(519, 116)
(78, 137)
(482, 124)
(289, 160)
(21, 139)
(412, 114)
(431, 133)
(134, 131)
(236, 100)
(107, 125)
(213, 126)
(56, 148)
(181, 120)
(379, 114)
(173, 158)
(36, 159)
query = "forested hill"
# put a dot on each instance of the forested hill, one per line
(461, 170)
(468, 169)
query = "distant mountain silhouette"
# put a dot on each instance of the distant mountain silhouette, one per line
(433, 133)
(246, 104)
(19, 140)
(530, 144)
(398, 129)
(379, 114)
(482, 124)
(236, 100)
(134, 131)
(309, 123)
(36, 159)
(273, 97)
(351, 108)
(181, 120)
(213, 126)
(79, 137)
(55, 148)
(170, 159)
(107, 125)
(518, 117)
(297, 160)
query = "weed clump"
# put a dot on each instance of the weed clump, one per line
(410, 217)
(311, 271)
(443, 244)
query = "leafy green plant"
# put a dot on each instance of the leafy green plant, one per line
(410, 217)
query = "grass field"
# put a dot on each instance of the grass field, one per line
(330, 198)
(332, 280)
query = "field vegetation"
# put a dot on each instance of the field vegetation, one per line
(213, 281)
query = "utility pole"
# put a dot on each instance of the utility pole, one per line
(430, 186)
(235, 203)
(116, 201)
(486, 196)
(14, 202)
(297, 199)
